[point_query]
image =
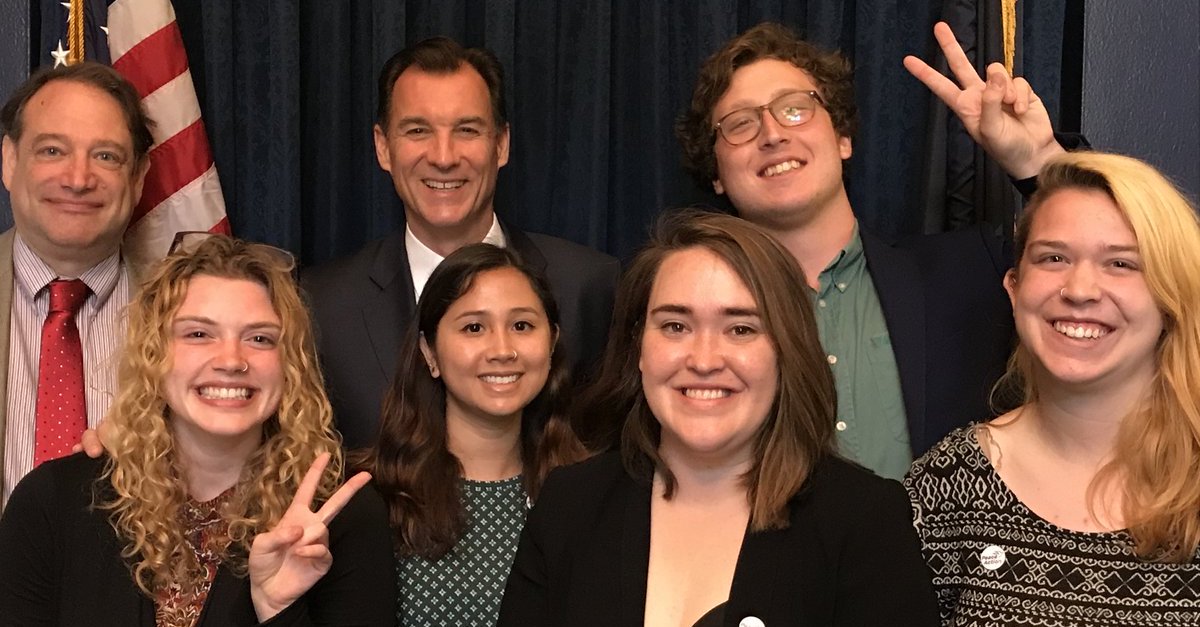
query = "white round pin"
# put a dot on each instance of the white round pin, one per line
(991, 557)
(752, 621)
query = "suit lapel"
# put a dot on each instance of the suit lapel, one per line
(520, 242)
(897, 280)
(390, 311)
(635, 552)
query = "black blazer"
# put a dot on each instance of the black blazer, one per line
(950, 323)
(850, 557)
(362, 305)
(60, 563)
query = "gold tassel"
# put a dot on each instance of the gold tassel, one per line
(1009, 20)
(75, 33)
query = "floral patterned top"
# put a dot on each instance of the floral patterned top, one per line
(207, 535)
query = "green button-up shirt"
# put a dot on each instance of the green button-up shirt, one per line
(871, 425)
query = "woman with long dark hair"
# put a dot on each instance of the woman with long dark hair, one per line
(471, 425)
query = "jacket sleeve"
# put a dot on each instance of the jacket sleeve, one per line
(526, 600)
(30, 564)
(882, 578)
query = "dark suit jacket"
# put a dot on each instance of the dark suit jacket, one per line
(60, 563)
(850, 557)
(950, 323)
(363, 305)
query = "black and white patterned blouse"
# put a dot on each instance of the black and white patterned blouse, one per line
(996, 563)
(465, 586)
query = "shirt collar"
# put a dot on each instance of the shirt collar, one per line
(33, 275)
(422, 260)
(840, 272)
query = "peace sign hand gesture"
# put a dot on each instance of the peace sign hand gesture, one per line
(1003, 114)
(288, 560)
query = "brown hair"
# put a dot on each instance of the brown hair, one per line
(799, 429)
(413, 468)
(830, 70)
(1157, 453)
(97, 75)
(442, 55)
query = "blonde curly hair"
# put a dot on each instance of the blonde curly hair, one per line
(148, 488)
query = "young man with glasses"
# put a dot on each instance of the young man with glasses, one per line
(916, 333)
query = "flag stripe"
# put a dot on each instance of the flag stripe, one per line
(197, 206)
(174, 163)
(175, 107)
(154, 61)
(130, 21)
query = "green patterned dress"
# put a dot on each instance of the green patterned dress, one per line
(465, 586)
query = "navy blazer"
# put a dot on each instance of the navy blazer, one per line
(950, 323)
(362, 306)
(850, 557)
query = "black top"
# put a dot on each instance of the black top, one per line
(995, 563)
(60, 563)
(849, 558)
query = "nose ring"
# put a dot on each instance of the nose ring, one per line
(514, 356)
(1062, 293)
(245, 367)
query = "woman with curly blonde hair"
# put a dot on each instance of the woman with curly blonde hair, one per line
(218, 442)
(1082, 505)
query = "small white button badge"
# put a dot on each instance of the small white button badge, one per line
(992, 557)
(752, 621)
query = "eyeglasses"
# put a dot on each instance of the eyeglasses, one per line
(791, 109)
(189, 241)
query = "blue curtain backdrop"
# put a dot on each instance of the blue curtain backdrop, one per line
(287, 91)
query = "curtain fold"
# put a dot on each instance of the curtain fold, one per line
(288, 92)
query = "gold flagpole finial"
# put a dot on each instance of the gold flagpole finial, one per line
(1008, 11)
(75, 33)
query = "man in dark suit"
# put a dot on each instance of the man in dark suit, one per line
(442, 134)
(916, 332)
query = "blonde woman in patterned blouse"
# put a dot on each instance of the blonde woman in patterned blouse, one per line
(220, 441)
(1082, 505)
(471, 425)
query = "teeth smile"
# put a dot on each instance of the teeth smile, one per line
(780, 168)
(1081, 331)
(225, 393)
(706, 394)
(500, 380)
(444, 184)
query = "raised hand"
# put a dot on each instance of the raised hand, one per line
(288, 560)
(1003, 114)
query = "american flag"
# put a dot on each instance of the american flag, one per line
(141, 40)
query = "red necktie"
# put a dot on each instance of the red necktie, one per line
(61, 404)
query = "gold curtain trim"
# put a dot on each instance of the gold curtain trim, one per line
(75, 33)
(1008, 12)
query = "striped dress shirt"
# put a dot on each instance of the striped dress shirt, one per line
(101, 323)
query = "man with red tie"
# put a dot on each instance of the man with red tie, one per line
(75, 155)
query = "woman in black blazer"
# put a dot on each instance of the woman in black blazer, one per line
(725, 502)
